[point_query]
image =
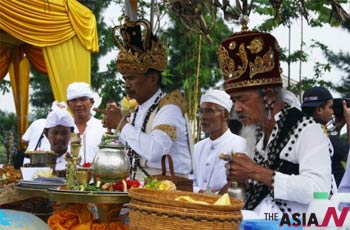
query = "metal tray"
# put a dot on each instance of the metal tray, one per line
(38, 184)
(98, 197)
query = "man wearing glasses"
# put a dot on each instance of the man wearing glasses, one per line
(209, 170)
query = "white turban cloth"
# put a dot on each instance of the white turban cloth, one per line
(79, 89)
(58, 105)
(59, 117)
(218, 97)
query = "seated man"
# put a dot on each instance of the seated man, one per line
(34, 136)
(208, 168)
(292, 156)
(58, 129)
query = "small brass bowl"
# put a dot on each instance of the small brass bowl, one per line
(83, 175)
(42, 158)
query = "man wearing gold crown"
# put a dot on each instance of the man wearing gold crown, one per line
(158, 125)
(292, 153)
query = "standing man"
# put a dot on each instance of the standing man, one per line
(292, 157)
(80, 101)
(158, 125)
(208, 168)
(318, 103)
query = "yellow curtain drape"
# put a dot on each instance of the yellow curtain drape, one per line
(49, 22)
(19, 78)
(66, 63)
(64, 30)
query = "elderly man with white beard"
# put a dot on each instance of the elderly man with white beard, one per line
(291, 158)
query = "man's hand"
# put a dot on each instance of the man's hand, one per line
(112, 117)
(243, 168)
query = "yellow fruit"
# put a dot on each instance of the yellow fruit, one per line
(223, 200)
(167, 185)
(190, 200)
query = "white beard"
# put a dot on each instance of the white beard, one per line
(248, 132)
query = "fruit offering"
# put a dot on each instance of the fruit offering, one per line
(160, 184)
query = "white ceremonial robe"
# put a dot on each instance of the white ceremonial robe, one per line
(90, 139)
(311, 150)
(209, 170)
(152, 146)
(32, 135)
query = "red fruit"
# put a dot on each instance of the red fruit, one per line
(118, 186)
(87, 165)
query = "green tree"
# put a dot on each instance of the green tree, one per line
(341, 61)
(8, 125)
(41, 96)
(187, 52)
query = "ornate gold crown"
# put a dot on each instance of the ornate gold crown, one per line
(139, 50)
(250, 59)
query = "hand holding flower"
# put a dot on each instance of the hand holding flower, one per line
(114, 117)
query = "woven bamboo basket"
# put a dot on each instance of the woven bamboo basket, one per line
(158, 210)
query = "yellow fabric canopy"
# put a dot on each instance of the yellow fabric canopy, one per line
(57, 36)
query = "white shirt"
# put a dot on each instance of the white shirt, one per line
(61, 162)
(152, 146)
(311, 151)
(209, 170)
(33, 134)
(90, 139)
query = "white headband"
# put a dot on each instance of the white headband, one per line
(218, 97)
(79, 89)
(59, 117)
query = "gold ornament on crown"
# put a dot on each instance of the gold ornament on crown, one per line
(132, 59)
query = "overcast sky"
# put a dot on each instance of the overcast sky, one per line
(336, 39)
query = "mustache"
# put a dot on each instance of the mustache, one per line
(242, 115)
(130, 91)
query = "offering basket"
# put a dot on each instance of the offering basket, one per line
(158, 210)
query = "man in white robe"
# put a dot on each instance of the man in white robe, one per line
(209, 170)
(158, 125)
(80, 101)
(58, 129)
(292, 153)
